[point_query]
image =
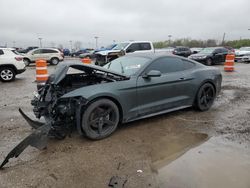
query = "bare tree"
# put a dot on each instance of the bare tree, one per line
(60, 46)
(78, 45)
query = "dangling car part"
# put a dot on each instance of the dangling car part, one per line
(95, 99)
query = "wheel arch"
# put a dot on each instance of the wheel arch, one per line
(9, 65)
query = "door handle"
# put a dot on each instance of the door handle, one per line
(182, 78)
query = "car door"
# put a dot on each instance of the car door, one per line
(218, 56)
(168, 91)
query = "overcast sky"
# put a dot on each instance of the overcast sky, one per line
(59, 21)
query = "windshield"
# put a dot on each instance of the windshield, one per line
(245, 49)
(207, 51)
(127, 65)
(120, 46)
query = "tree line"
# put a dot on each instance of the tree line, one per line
(201, 43)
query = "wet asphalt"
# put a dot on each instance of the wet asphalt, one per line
(180, 149)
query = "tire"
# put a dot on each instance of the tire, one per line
(100, 119)
(26, 61)
(54, 61)
(205, 97)
(7, 74)
(209, 62)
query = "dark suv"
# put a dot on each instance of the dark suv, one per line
(210, 56)
(182, 51)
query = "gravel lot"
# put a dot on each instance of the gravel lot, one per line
(180, 149)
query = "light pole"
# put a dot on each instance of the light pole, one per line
(96, 42)
(169, 39)
(70, 45)
(14, 44)
(40, 40)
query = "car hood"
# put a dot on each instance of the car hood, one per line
(62, 69)
(106, 52)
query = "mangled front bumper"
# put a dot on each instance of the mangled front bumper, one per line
(37, 139)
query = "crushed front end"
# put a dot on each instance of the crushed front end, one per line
(60, 114)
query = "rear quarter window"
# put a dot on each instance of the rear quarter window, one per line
(1, 52)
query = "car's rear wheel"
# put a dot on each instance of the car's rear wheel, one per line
(54, 61)
(205, 97)
(7, 74)
(209, 62)
(100, 119)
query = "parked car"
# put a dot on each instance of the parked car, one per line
(52, 55)
(11, 64)
(103, 57)
(210, 56)
(24, 51)
(77, 53)
(182, 51)
(242, 54)
(66, 52)
(126, 89)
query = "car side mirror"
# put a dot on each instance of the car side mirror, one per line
(152, 73)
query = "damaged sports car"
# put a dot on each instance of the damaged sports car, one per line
(94, 100)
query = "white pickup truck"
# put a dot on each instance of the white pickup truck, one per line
(103, 57)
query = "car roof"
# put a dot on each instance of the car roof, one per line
(45, 49)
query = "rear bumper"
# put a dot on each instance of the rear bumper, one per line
(19, 71)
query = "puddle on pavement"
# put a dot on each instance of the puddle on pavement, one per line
(212, 164)
(172, 146)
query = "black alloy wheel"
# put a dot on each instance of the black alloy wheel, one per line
(100, 119)
(205, 97)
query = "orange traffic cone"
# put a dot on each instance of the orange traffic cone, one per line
(86, 60)
(41, 73)
(229, 64)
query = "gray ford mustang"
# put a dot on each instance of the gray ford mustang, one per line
(96, 99)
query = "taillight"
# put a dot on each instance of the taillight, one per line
(19, 58)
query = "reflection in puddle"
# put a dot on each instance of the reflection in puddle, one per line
(170, 147)
(212, 164)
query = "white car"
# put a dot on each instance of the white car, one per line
(51, 55)
(242, 54)
(11, 64)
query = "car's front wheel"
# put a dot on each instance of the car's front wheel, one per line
(54, 61)
(205, 97)
(7, 74)
(100, 119)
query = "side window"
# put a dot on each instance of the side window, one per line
(217, 51)
(166, 65)
(224, 50)
(47, 51)
(145, 46)
(133, 47)
(37, 52)
(187, 64)
(1, 52)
